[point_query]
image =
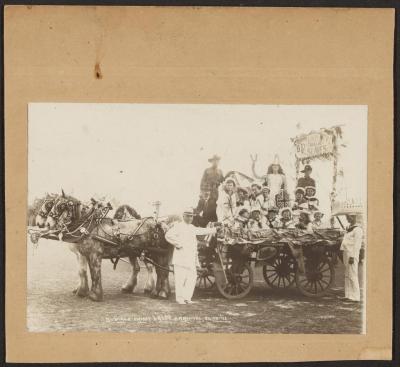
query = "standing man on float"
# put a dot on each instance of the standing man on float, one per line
(212, 178)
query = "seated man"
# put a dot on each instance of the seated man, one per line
(286, 220)
(256, 221)
(272, 220)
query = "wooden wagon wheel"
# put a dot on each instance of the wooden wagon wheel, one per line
(280, 271)
(205, 279)
(239, 281)
(317, 278)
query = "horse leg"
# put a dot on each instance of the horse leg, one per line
(96, 292)
(132, 281)
(162, 288)
(150, 286)
(83, 287)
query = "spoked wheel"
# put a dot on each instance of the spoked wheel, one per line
(317, 279)
(238, 283)
(280, 271)
(205, 280)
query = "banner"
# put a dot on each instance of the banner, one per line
(314, 145)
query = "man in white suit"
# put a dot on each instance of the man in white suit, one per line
(182, 236)
(351, 245)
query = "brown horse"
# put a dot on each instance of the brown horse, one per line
(94, 237)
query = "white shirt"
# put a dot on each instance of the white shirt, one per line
(184, 235)
(352, 242)
(226, 207)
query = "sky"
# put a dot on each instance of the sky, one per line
(139, 153)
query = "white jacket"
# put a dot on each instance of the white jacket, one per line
(352, 242)
(184, 235)
(226, 207)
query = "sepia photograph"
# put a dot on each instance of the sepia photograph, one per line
(201, 218)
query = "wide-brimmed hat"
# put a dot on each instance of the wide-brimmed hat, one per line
(255, 210)
(301, 189)
(256, 184)
(188, 211)
(214, 158)
(273, 209)
(307, 167)
(284, 209)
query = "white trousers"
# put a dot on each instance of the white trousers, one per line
(185, 282)
(351, 285)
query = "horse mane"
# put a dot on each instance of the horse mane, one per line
(120, 212)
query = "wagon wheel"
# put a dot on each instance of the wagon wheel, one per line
(239, 281)
(280, 271)
(205, 280)
(317, 279)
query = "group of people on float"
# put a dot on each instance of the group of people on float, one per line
(257, 207)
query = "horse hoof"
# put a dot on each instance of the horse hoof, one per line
(163, 295)
(95, 297)
(81, 292)
(74, 291)
(127, 289)
(147, 291)
(153, 295)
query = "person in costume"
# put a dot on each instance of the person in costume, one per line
(312, 201)
(241, 220)
(300, 202)
(183, 236)
(272, 217)
(306, 180)
(256, 198)
(267, 201)
(257, 220)
(286, 220)
(305, 222)
(227, 203)
(351, 245)
(275, 177)
(243, 201)
(317, 221)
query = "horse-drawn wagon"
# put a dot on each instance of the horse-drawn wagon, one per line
(288, 257)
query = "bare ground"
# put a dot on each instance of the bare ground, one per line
(51, 306)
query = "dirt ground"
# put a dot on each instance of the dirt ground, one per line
(51, 306)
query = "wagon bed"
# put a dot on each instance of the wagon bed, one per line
(288, 257)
